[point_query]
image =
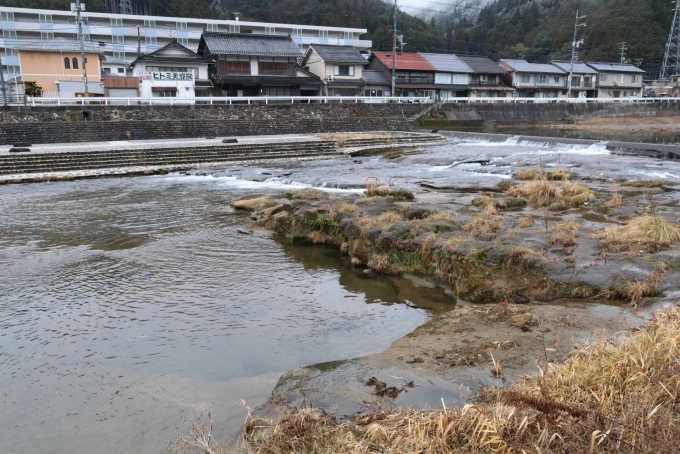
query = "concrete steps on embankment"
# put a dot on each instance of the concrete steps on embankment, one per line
(395, 140)
(86, 160)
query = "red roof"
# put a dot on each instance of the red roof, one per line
(405, 60)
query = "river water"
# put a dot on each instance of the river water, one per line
(128, 306)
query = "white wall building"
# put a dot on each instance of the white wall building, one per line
(120, 36)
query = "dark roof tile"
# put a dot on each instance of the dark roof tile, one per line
(250, 45)
(339, 54)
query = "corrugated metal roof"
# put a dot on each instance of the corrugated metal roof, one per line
(339, 54)
(250, 44)
(579, 67)
(482, 65)
(523, 66)
(616, 67)
(409, 61)
(60, 45)
(446, 63)
(374, 77)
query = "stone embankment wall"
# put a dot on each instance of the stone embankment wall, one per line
(62, 125)
(97, 131)
(534, 113)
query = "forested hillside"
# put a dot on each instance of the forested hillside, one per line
(541, 30)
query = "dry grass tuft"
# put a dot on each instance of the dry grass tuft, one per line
(556, 196)
(566, 239)
(441, 216)
(457, 241)
(380, 264)
(615, 397)
(341, 138)
(389, 216)
(317, 237)
(526, 258)
(487, 223)
(525, 222)
(349, 207)
(571, 226)
(426, 248)
(538, 174)
(646, 232)
(635, 291)
(365, 224)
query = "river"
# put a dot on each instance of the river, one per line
(130, 306)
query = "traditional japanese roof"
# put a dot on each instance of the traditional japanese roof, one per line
(409, 61)
(482, 65)
(616, 67)
(579, 67)
(248, 44)
(337, 54)
(173, 52)
(446, 63)
(523, 66)
(375, 77)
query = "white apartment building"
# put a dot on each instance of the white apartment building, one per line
(122, 37)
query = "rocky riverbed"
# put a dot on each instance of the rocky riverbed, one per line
(533, 265)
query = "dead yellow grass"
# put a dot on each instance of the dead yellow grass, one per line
(525, 222)
(646, 232)
(487, 223)
(608, 397)
(647, 183)
(342, 137)
(553, 195)
(525, 258)
(349, 207)
(441, 216)
(564, 238)
(380, 264)
(571, 226)
(389, 216)
(365, 224)
(538, 174)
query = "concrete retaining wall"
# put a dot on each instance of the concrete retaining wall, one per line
(97, 131)
(532, 113)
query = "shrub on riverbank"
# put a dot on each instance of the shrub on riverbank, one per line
(608, 397)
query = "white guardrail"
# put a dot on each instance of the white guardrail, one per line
(53, 102)
(56, 101)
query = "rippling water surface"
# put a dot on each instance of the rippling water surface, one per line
(128, 306)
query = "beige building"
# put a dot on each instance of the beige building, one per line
(58, 62)
(339, 67)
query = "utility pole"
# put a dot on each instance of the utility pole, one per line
(623, 52)
(574, 45)
(671, 59)
(394, 51)
(81, 7)
(3, 87)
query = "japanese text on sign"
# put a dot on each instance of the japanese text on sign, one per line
(166, 75)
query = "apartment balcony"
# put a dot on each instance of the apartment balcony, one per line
(335, 41)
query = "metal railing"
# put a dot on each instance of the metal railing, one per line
(56, 102)
(556, 100)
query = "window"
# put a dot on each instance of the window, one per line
(277, 91)
(75, 63)
(541, 79)
(45, 18)
(119, 55)
(116, 22)
(297, 32)
(343, 70)
(183, 41)
(603, 77)
(348, 35)
(11, 53)
(212, 28)
(323, 33)
(421, 78)
(588, 82)
(269, 31)
(525, 78)
(181, 26)
(150, 24)
(373, 93)
(234, 67)
(635, 78)
(557, 79)
(269, 68)
(9, 34)
(576, 81)
(67, 63)
(121, 70)
(118, 39)
(46, 36)
(345, 92)
(234, 28)
(620, 78)
(13, 70)
(7, 16)
(401, 77)
(170, 92)
(150, 40)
